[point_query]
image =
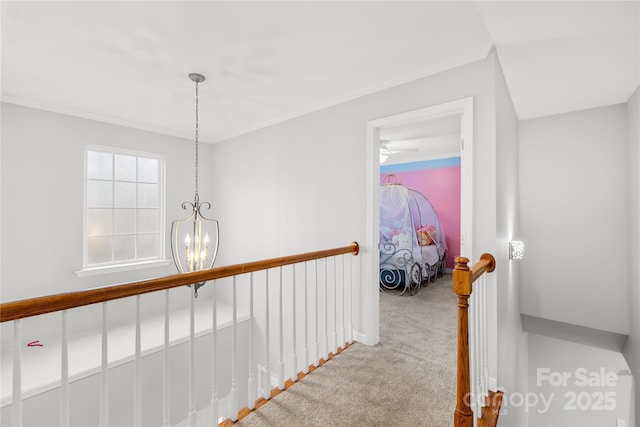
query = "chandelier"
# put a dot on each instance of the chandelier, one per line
(194, 240)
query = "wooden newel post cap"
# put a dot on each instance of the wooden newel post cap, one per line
(461, 263)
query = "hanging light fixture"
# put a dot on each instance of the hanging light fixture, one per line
(194, 240)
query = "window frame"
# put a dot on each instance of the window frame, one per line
(129, 264)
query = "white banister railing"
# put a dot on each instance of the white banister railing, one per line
(166, 385)
(104, 368)
(280, 333)
(294, 353)
(251, 382)
(266, 377)
(325, 340)
(478, 358)
(234, 352)
(305, 348)
(316, 343)
(137, 387)
(223, 334)
(192, 413)
(215, 401)
(16, 396)
(64, 373)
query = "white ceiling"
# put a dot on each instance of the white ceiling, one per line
(423, 140)
(127, 62)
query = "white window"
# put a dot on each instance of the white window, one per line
(124, 208)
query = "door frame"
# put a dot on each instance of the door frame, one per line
(370, 333)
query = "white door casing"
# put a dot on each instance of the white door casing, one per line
(369, 331)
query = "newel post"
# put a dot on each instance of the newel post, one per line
(463, 416)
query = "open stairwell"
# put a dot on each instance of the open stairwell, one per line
(191, 368)
(405, 380)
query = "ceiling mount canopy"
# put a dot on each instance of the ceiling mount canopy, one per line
(198, 78)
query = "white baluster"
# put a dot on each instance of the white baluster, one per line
(305, 348)
(137, 385)
(350, 302)
(485, 347)
(267, 380)
(342, 288)
(472, 354)
(294, 353)
(251, 381)
(335, 303)
(166, 385)
(192, 362)
(104, 371)
(64, 373)
(16, 397)
(214, 348)
(281, 324)
(478, 351)
(325, 340)
(481, 342)
(234, 353)
(478, 360)
(316, 344)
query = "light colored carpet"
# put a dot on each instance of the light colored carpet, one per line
(408, 379)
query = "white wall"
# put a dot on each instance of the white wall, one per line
(292, 187)
(574, 218)
(512, 346)
(565, 390)
(42, 201)
(301, 185)
(632, 347)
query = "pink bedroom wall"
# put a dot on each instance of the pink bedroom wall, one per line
(441, 185)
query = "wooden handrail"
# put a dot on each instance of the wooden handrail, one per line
(463, 279)
(15, 310)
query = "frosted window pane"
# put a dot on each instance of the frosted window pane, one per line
(125, 168)
(124, 248)
(124, 221)
(98, 249)
(148, 196)
(147, 170)
(148, 246)
(99, 194)
(148, 221)
(99, 222)
(99, 165)
(125, 195)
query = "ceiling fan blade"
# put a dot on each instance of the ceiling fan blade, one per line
(384, 146)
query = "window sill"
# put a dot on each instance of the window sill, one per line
(95, 271)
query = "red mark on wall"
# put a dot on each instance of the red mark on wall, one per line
(35, 343)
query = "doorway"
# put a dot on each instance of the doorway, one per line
(460, 109)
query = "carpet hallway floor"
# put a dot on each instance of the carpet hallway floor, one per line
(406, 380)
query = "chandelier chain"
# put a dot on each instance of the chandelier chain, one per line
(197, 141)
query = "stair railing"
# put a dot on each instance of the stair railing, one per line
(472, 371)
(310, 274)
